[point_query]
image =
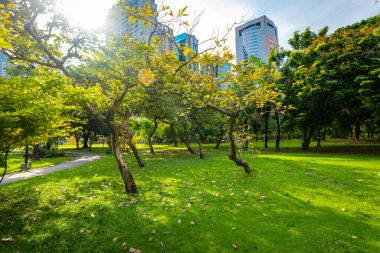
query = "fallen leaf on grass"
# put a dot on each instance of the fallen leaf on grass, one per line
(87, 231)
(192, 222)
(7, 239)
(354, 237)
(360, 180)
(153, 231)
(179, 221)
(150, 239)
(114, 240)
(162, 245)
(235, 245)
(261, 196)
(124, 245)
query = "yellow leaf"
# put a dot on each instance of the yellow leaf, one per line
(131, 19)
(114, 240)
(186, 23)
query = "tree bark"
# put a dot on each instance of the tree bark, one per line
(246, 141)
(129, 136)
(85, 140)
(266, 122)
(219, 138)
(278, 137)
(5, 162)
(307, 135)
(26, 160)
(77, 139)
(188, 145)
(356, 134)
(36, 152)
(174, 135)
(129, 183)
(150, 135)
(201, 156)
(233, 156)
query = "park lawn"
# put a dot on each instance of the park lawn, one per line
(16, 159)
(293, 202)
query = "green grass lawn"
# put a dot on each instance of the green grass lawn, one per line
(293, 202)
(16, 159)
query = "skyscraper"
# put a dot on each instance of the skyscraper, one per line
(3, 64)
(256, 37)
(119, 25)
(186, 39)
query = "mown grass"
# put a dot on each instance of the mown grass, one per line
(16, 159)
(293, 202)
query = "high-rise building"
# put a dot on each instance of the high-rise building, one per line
(256, 37)
(3, 64)
(119, 25)
(185, 39)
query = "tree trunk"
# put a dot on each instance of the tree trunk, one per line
(36, 152)
(150, 135)
(26, 160)
(278, 137)
(356, 134)
(188, 146)
(307, 135)
(246, 141)
(266, 121)
(85, 140)
(5, 163)
(201, 156)
(220, 138)
(136, 153)
(232, 156)
(174, 135)
(77, 139)
(129, 136)
(129, 183)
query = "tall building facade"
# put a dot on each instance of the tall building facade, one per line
(256, 37)
(119, 25)
(185, 39)
(3, 64)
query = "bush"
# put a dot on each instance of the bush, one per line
(51, 153)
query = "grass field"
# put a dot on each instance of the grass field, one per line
(16, 159)
(293, 202)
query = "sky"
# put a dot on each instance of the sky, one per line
(288, 15)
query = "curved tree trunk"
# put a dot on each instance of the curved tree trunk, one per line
(278, 137)
(150, 135)
(188, 146)
(129, 136)
(233, 156)
(220, 138)
(129, 183)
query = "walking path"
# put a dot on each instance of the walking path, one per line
(84, 158)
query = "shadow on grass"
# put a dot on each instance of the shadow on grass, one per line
(190, 205)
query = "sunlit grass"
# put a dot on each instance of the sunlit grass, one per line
(293, 202)
(16, 159)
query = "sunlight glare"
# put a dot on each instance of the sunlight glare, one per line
(87, 14)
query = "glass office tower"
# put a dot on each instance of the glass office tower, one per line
(186, 39)
(119, 25)
(256, 37)
(3, 64)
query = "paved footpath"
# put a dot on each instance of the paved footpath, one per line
(84, 158)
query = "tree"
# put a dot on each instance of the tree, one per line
(35, 111)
